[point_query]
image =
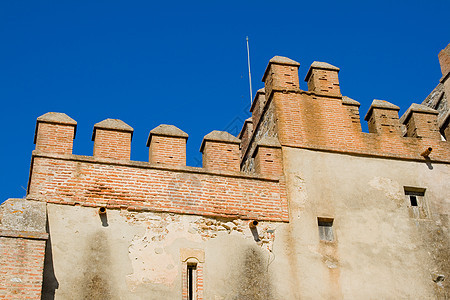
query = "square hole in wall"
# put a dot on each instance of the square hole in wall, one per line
(325, 229)
(416, 202)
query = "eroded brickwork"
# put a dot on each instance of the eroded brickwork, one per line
(21, 265)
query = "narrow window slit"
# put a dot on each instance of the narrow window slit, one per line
(191, 280)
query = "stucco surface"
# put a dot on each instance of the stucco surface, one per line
(380, 251)
(136, 255)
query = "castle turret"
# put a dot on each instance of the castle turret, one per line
(55, 133)
(382, 118)
(221, 151)
(421, 122)
(167, 145)
(112, 139)
(322, 78)
(268, 157)
(281, 74)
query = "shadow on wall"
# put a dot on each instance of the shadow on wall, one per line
(254, 283)
(50, 283)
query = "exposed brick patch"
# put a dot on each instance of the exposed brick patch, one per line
(21, 266)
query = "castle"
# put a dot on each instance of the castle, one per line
(300, 205)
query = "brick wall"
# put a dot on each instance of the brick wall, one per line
(384, 121)
(422, 126)
(245, 135)
(314, 122)
(72, 179)
(55, 138)
(112, 144)
(444, 60)
(21, 266)
(168, 150)
(268, 160)
(221, 156)
(326, 122)
(324, 82)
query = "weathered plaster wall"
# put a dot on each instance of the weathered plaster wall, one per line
(379, 249)
(136, 255)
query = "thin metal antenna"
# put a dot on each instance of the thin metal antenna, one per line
(249, 73)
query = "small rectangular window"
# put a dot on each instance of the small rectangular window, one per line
(325, 229)
(416, 202)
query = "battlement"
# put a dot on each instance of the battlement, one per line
(241, 176)
(322, 119)
(110, 179)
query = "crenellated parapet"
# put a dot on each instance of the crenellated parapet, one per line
(164, 184)
(322, 119)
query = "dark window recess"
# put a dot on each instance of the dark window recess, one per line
(191, 281)
(325, 229)
(415, 198)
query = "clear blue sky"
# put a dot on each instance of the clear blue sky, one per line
(185, 63)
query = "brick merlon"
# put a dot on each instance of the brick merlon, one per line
(246, 122)
(268, 142)
(280, 60)
(166, 130)
(260, 91)
(322, 66)
(55, 118)
(380, 104)
(417, 108)
(112, 124)
(219, 136)
(349, 101)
